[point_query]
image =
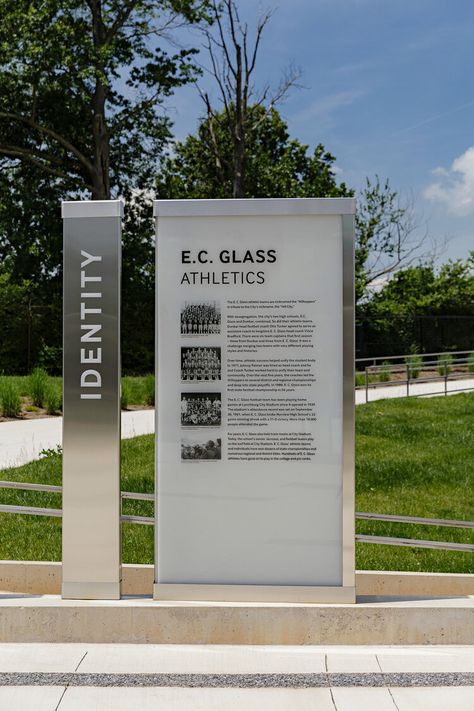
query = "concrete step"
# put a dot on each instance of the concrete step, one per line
(139, 619)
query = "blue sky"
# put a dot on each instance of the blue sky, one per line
(388, 90)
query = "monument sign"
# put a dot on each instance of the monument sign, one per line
(255, 400)
(91, 400)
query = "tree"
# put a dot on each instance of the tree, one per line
(233, 56)
(388, 237)
(421, 308)
(81, 84)
(276, 165)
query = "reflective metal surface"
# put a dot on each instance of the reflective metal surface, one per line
(91, 400)
(348, 403)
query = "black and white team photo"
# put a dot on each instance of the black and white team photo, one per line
(200, 318)
(200, 409)
(200, 364)
(197, 448)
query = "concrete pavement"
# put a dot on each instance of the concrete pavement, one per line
(69, 677)
(21, 441)
(429, 389)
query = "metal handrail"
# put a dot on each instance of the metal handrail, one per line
(38, 511)
(360, 538)
(412, 355)
(407, 368)
(30, 510)
(58, 490)
(451, 523)
(50, 488)
(415, 543)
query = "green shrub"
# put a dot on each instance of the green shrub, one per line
(51, 359)
(384, 372)
(359, 379)
(445, 362)
(53, 399)
(9, 398)
(414, 363)
(39, 382)
(149, 388)
(470, 363)
(124, 394)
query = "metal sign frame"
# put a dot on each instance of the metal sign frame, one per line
(344, 208)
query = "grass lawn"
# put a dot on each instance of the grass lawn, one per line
(414, 457)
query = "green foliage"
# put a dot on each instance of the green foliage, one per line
(9, 398)
(38, 386)
(149, 387)
(359, 379)
(276, 165)
(61, 60)
(445, 362)
(52, 452)
(53, 399)
(124, 394)
(51, 359)
(13, 324)
(415, 363)
(470, 363)
(384, 373)
(394, 316)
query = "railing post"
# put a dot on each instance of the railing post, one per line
(408, 380)
(366, 383)
(445, 377)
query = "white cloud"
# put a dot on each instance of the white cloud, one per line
(455, 187)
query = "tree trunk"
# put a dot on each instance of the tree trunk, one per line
(238, 188)
(101, 177)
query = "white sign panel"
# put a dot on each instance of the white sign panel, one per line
(254, 432)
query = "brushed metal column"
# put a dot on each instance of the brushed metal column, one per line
(91, 564)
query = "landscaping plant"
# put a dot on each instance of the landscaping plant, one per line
(149, 388)
(53, 399)
(9, 398)
(414, 363)
(38, 386)
(445, 363)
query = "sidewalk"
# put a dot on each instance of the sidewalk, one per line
(21, 441)
(382, 392)
(124, 677)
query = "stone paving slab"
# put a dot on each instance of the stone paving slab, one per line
(132, 659)
(434, 699)
(30, 698)
(84, 699)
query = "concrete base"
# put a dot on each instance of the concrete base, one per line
(141, 620)
(44, 578)
(90, 591)
(405, 608)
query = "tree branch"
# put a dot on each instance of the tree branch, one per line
(31, 158)
(53, 134)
